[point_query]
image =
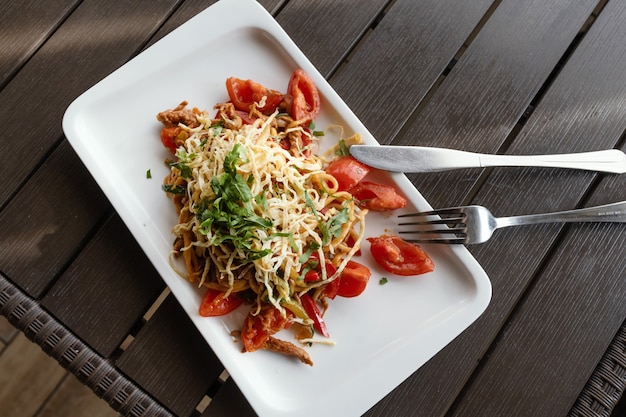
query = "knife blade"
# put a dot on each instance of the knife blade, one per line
(412, 159)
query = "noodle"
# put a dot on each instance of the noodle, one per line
(253, 212)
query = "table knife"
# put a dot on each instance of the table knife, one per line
(428, 159)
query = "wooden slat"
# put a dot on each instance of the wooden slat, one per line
(481, 100)
(510, 278)
(48, 219)
(96, 39)
(171, 360)
(591, 73)
(397, 63)
(24, 26)
(104, 293)
(190, 8)
(559, 332)
(229, 401)
(337, 27)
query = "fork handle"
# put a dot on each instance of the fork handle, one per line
(613, 213)
(611, 160)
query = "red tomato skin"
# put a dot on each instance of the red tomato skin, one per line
(243, 93)
(331, 289)
(347, 171)
(377, 197)
(168, 136)
(215, 304)
(256, 330)
(315, 274)
(353, 280)
(314, 314)
(399, 257)
(304, 100)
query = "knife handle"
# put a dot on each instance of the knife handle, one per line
(612, 160)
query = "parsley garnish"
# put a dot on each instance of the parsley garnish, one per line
(331, 228)
(182, 164)
(176, 189)
(343, 149)
(230, 217)
(383, 281)
(148, 174)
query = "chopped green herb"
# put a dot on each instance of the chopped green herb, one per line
(383, 281)
(332, 227)
(342, 149)
(309, 203)
(307, 254)
(319, 133)
(230, 217)
(292, 241)
(148, 174)
(184, 169)
(177, 189)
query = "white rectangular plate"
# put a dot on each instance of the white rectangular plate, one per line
(382, 336)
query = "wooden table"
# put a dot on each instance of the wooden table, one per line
(509, 76)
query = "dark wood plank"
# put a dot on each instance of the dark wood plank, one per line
(47, 221)
(96, 39)
(337, 27)
(390, 72)
(171, 360)
(596, 71)
(24, 26)
(522, 248)
(481, 100)
(229, 401)
(106, 290)
(560, 331)
(570, 115)
(190, 8)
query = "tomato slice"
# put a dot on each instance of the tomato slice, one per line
(347, 171)
(257, 329)
(243, 93)
(377, 197)
(168, 137)
(332, 288)
(314, 314)
(215, 304)
(400, 257)
(304, 97)
(315, 271)
(353, 280)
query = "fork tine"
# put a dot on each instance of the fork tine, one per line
(440, 212)
(447, 220)
(458, 240)
(452, 217)
(449, 230)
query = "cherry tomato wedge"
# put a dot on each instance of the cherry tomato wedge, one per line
(353, 280)
(168, 137)
(315, 273)
(331, 289)
(400, 257)
(347, 171)
(215, 304)
(305, 98)
(314, 314)
(377, 197)
(257, 329)
(243, 93)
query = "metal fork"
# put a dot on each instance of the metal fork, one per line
(476, 224)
